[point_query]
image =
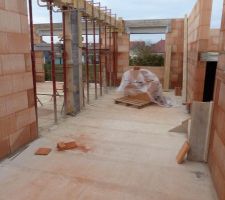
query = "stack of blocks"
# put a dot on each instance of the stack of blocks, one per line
(17, 109)
(217, 140)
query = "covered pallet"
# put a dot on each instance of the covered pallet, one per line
(140, 83)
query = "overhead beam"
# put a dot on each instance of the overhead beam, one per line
(86, 8)
(148, 26)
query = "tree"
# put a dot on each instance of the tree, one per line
(141, 55)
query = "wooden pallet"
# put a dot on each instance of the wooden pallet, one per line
(132, 102)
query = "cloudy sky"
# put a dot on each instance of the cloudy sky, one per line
(143, 9)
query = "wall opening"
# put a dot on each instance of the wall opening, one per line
(147, 50)
(210, 76)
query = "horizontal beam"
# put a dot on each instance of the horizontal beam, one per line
(90, 10)
(44, 29)
(151, 26)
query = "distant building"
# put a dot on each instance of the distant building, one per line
(159, 47)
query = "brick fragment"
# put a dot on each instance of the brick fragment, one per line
(43, 151)
(66, 145)
(183, 151)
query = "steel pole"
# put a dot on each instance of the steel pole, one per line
(87, 60)
(53, 61)
(64, 61)
(33, 58)
(100, 59)
(95, 66)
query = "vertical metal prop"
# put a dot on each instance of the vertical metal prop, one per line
(94, 41)
(110, 53)
(106, 61)
(114, 59)
(100, 59)
(64, 62)
(33, 58)
(87, 60)
(53, 62)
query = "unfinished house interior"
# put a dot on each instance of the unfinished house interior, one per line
(77, 121)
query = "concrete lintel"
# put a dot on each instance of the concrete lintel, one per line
(148, 26)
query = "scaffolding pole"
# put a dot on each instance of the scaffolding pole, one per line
(64, 61)
(100, 60)
(33, 58)
(53, 61)
(106, 61)
(110, 53)
(94, 43)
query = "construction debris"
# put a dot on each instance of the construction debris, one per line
(43, 151)
(62, 146)
(183, 151)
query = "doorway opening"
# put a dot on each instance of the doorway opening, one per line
(210, 77)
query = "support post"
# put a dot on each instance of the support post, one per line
(95, 66)
(87, 61)
(100, 59)
(185, 61)
(76, 28)
(64, 61)
(53, 62)
(73, 62)
(33, 58)
(106, 62)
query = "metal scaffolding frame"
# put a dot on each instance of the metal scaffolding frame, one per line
(105, 24)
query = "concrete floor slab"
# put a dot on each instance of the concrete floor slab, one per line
(132, 156)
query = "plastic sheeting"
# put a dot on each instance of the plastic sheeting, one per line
(135, 82)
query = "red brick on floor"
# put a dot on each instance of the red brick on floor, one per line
(43, 151)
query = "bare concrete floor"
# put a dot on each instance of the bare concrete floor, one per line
(132, 157)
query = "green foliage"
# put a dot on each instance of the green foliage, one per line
(142, 55)
(58, 72)
(147, 60)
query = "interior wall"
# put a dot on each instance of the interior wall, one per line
(217, 142)
(175, 39)
(17, 109)
(198, 41)
(123, 42)
(214, 40)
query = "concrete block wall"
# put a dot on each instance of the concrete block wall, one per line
(217, 140)
(198, 40)
(17, 110)
(175, 39)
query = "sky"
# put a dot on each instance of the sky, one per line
(142, 9)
